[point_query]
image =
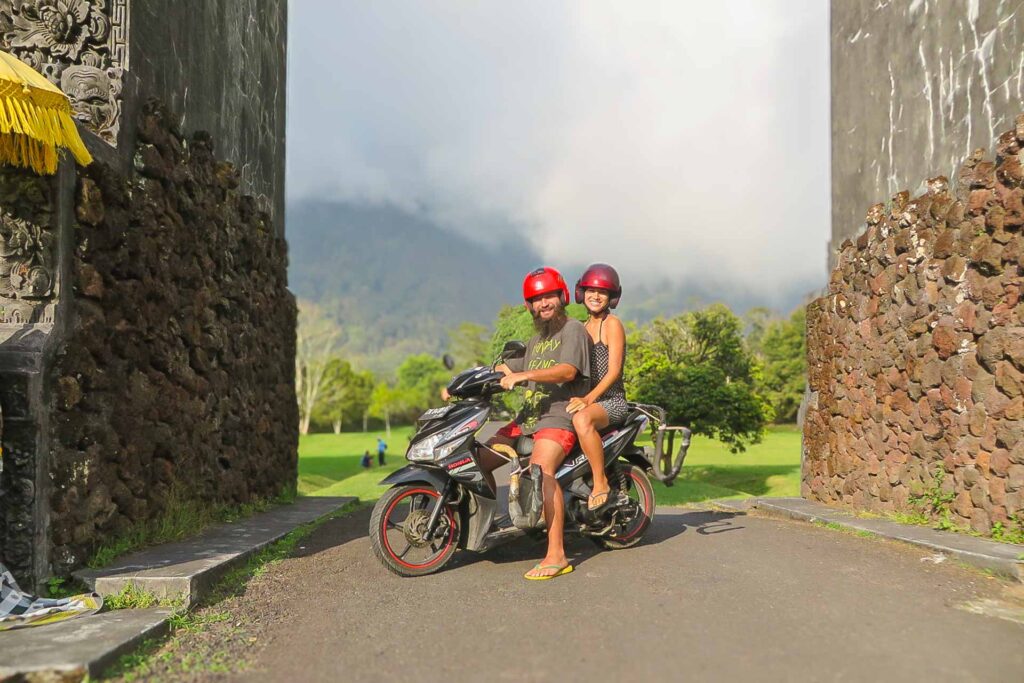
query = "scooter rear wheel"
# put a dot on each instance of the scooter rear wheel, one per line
(631, 533)
(398, 531)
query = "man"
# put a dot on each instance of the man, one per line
(555, 369)
(381, 448)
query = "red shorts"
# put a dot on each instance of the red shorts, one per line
(566, 438)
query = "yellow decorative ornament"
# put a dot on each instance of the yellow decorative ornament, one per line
(35, 119)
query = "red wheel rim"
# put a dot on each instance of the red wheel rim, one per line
(440, 553)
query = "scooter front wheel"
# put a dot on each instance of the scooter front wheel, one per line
(398, 531)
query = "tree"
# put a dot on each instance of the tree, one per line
(696, 366)
(512, 323)
(358, 401)
(784, 353)
(421, 377)
(756, 321)
(468, 344)
(345, 395)
(387, 401)
(316, 336)
(707, 337)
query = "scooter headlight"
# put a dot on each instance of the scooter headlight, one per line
(424, 449)
(441, 445)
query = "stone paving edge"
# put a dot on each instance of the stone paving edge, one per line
(1006, 566)
(195, 586)
(95, 664)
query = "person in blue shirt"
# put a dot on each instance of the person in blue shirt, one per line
(381, 448)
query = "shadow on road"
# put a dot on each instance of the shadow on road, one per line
(335, 533)
(667, 524)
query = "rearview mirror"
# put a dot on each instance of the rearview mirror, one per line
(513, 349)
(448, 361)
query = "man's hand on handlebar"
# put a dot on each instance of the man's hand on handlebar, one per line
(513, 378)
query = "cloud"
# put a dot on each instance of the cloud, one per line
(679, 141)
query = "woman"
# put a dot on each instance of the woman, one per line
(599, 290)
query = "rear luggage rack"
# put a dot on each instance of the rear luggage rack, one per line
(665, 468)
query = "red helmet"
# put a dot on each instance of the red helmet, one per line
(600, 276)
(545, 280)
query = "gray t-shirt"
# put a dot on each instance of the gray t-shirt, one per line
(545, 403)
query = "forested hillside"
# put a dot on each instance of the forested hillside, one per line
(395, 283)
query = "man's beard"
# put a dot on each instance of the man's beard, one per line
(546, 328)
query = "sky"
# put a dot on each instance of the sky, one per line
(683, 142)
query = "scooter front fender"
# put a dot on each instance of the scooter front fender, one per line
(417, 474)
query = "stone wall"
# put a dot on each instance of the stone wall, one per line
(146, 331)
(917, 86)
(30, 285)
(178, 370)
(219, 66)
(916, 355)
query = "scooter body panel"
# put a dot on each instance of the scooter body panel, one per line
(576, 465)
(479, 518)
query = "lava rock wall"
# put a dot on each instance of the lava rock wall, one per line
(146, 329)
(178, 370)
(916, 355)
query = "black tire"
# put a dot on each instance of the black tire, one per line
(420, 500)
(629, 536)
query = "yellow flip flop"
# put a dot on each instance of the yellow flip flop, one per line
(567, 569)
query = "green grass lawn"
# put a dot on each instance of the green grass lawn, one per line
(329, 463)
(329, 466)
(771, 468)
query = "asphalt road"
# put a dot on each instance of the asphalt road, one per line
(707, 596)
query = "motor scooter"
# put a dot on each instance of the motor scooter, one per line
(442, 501)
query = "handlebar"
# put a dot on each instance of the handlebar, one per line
(660, 455)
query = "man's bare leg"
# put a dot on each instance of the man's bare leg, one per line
(549, 455)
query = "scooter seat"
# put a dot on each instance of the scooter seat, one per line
(524, 444)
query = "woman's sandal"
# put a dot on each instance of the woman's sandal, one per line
(567, 569)
(606, 496)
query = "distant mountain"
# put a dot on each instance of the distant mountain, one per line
(396, 282)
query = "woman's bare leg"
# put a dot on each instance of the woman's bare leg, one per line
(549, 455)
(587, 422)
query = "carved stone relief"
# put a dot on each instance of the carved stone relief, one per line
(81, 46)
(17, 485)
(26, 260)
(28, 249)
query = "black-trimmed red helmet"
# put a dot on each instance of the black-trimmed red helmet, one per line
(600, 276)
(543, 281)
